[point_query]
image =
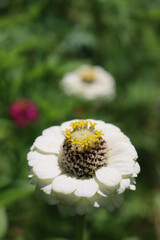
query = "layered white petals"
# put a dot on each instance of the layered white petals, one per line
(45, 185)
(72, 84)
(137, 169)
(47, 188)
(46, 169)
(48, 144)
(110, 203)
(35, 157)
(125, 183)
(132, 187)
(86, 188)
(102, 86)
(64, 184)
(104, 191)
(122, 149)
(108, 176)
(113, 136)
(111, 129)
(125, 166)
(55, 132)
(81, 195)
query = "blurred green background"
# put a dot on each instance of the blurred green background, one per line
(39, 42)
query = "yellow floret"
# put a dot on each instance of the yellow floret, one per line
(98, 133)
(85, 142)
(68, 133)
(92, 125)
(74, 140)
(94, 138)
(74, 125)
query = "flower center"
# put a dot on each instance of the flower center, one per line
(88, 74)
(84, 149)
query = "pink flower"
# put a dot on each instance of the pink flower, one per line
(23, 112)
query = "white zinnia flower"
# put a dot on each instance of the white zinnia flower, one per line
(82, 165)
(89, 82)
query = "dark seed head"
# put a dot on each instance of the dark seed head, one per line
(83, 164)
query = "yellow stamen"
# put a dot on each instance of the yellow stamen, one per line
(92, 125)
(68, 133)
(83, 135)
(98, 133)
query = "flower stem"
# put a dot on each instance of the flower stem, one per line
(80, 227)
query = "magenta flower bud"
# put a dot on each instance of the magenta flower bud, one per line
(23, 112)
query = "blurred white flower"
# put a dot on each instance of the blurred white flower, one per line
(89, 82)
(82, 165)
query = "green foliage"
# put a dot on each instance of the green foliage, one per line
(3, 221)
(41, 41)
(10, 195)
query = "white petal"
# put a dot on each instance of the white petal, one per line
(32, 148)
(133, 181)
(125, 166)
(45, 185)
(86, 188)
(105, 77)
(109, 203)
(64, 184)
(113, 135)
(125, 183)
(101, 193)
(54, 131)
(132, 187)
(137, 168)
(121, 150)
(46, 169)
(72, 84)
(35, 157)
(47, 189)
(103, 202)
(105, 192)
(96, 204)
(48, 144)
(108, 176)
(110, 128)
